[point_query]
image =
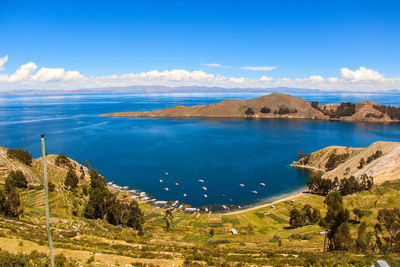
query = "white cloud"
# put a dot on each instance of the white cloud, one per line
(362, 74)
(333, 79)
(213, 65)
(28, 76)
(316, 78)
(266, 78)
(3, 61)
(259, 68)
(56, 74)
(23, 73)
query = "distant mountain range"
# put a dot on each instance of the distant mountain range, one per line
(166, 89)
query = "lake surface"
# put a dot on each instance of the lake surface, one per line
(225, 153)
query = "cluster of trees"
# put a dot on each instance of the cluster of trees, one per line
(265, 110)
(71, 180)
(63, 161)
(371, 158)
(372, 115)
(392, 112)
(352, 185)
(103, 204)
(387, 230)
(343, 110)
(337, 230)
(21, 155)
(336, 224)
(9, 197)
(315, 105)
(281, 111)
(305, 216)
(334, 160)
(285, 110)
(249, 112)
(346, 186)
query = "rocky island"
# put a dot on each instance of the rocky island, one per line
(276, 105)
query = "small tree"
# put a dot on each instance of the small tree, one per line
(10, 201)
(17, 178)
(363, 237)
(362, 163)
(342, 237)
(315, 104)
(63, 161)
(71, 180)
(390, 220)
(21, 155)
(250, 229)
(212, 232)
(297, 218)
(249, 112)
(88, 165)
(335, 217)
(265, 110)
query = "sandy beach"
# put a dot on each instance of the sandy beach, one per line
(291, 196)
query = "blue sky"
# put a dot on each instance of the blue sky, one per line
(299, 38)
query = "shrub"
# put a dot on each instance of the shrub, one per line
(17, 178)
(265, 110)
(249, 112)
(21, 155)
(90, 260)
(62, 160)
(392, 112)
(334, 160)
(71, 180)
(8, 259)
(315, 105)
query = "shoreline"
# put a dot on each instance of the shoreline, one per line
(274, 200)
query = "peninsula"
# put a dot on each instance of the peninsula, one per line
(276, 105)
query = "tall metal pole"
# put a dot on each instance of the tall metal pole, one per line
(46, 201)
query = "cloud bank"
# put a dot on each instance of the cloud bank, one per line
(29, 76)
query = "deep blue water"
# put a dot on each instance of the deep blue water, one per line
(225, 153)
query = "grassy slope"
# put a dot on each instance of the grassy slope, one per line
(111, 244)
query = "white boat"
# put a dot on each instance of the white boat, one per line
(176, 184)
(161, 181)
(205, 196)
(254, 192)
(204, 188)
(166, 189)
(262, 184)
(200, 181)
(166, 173)
(241, 185)
(185, 195)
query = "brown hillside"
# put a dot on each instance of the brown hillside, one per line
(34, 173)
(295, 107)
(236, 108)
(384, 168)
